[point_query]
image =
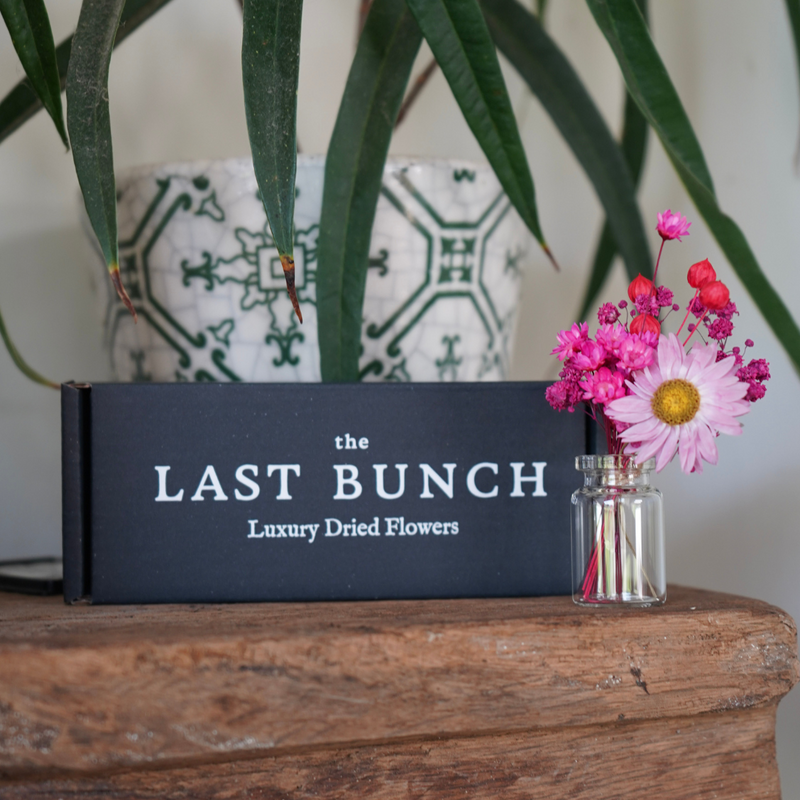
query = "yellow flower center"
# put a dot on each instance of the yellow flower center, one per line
(676, 402)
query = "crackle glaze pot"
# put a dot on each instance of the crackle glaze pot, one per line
(199, 264)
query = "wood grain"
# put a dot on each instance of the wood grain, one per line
(87, 688)
(717, 756)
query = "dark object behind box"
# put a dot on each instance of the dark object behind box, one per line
(42, 576)
(233, 492)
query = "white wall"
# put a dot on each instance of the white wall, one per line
(176, 94)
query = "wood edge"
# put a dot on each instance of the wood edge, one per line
(551, 607)
(9, 778)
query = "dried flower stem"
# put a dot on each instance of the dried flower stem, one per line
(686, 341)
(658, 261)
(688, 311)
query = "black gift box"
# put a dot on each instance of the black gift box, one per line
(249, 492)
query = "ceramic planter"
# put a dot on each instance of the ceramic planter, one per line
(198, 261)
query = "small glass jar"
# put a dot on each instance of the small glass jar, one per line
(617, 534)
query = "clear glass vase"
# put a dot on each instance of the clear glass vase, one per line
(617, 534)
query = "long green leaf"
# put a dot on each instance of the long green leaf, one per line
(793, 8)
(21, 103)
(460, 40)
(634, 146)
(270, 71)
(552, 79)
(29, 26)
(650, 86)
(90, 126)
(20, 361)
(647, 80)
(357, 153)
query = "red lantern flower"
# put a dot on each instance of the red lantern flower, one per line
(715, 295)
(640, 285)
(645, 323)
(701, 274)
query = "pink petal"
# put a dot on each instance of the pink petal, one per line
(642, 430)
(707, 446)
(721, 371)
(670, 356)
(731, 429)
(688, 451)
(645, 384)
(668, 450)
(629, 409)
(642, 427)
(649, 449)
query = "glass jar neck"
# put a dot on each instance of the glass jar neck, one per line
(615, 470)
(623, 479)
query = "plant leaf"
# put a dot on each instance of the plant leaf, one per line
(651, 88)
(460, 40)
(793, 8)
(20, 361)
(270, 71)
(634, 145)
(552, 79)
(29, 26)
(90, 126)
(357, 153)
(21, 103)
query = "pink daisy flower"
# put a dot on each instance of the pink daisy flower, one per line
(672, 226)
(679, 404)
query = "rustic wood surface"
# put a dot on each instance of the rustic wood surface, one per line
(295, 693)
(704, 757)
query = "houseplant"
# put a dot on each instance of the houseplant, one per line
(459, 34)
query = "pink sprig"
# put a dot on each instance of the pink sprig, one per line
(672, 226)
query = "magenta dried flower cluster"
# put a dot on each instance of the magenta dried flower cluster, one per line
(654, 398)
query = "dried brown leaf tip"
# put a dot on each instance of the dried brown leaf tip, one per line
(123, 295)
(287, 262)
(552, 258)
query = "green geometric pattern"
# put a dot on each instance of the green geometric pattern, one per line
(463, 284)
(200, 266)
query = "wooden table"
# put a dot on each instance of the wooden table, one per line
(521, 698)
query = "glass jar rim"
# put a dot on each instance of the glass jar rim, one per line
(613, 462)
